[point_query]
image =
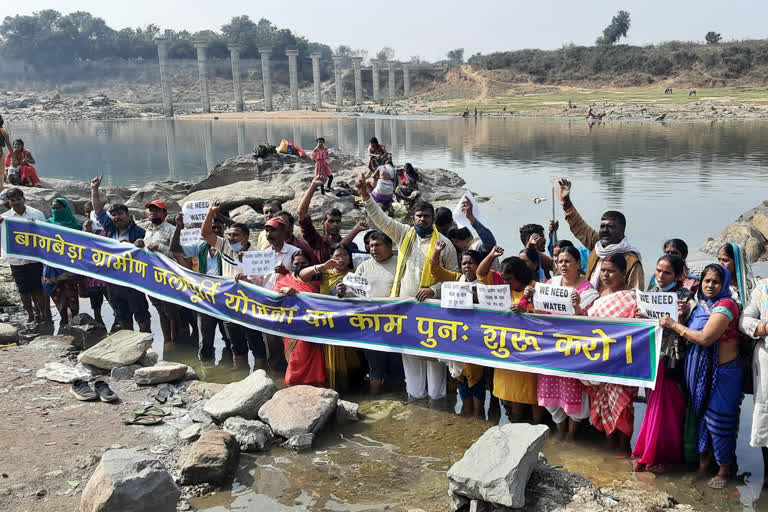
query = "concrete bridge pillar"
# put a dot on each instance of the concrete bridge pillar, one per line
(338, 76)
(165, 84)
(356, 62)
(391, 75)
(234, 56)
(266, 77)
(375, 66)
(316, 78)
(202, 68)
(406, 80)
(293, 77)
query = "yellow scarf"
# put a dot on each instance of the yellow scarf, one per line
(402, 257)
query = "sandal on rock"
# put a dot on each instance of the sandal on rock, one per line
(163, 394)
(716, 483)
(149, 410)
(141, 419)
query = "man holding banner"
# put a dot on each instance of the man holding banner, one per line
(413, 278)
(127, 303)
(231, 250)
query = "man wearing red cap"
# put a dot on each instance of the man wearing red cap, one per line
(158, 239)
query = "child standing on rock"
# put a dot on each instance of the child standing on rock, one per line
(320, 156)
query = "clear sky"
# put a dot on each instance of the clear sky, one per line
(430, 28)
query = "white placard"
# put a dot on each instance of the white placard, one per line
(258, 263)
(357, 284)
(195, 211)
(553, 299)
(456, 295)
(459, 216)
(494, 296)
(358, 258)
(657, 304)
(190, 236)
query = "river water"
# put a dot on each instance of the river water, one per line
(685, 180)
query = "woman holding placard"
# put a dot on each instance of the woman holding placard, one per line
(611, 410)
(563, 397)
(714, 372)
(471, 381)
(660, 440)
(515, 389)
(343, 364)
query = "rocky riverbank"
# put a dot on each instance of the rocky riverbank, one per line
(750, 231)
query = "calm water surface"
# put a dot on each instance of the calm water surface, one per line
(682, 180)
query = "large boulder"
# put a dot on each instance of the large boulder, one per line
(497, 466)
(252, 435)
(212, 458)
(170, 191)
(164, 371)
(129, 481)
(252, 193)
(742, 233)
(243, 398)
(58, 345)
(299, 410)
(120, 349)
(247, 216)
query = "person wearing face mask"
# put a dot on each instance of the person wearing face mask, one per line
(606, 242)
(660, 440)
(306, 361)
(127, 303)
(231, 248)
(158, 239)
(424, 378)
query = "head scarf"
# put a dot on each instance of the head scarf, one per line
(64, 216)
(704, 308)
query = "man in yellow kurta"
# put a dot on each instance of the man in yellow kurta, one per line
(413, 278)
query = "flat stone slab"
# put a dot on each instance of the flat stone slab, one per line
(120, 349)
(63, 372)
(252, 435)
(160, 373)
(497, 466)
(243, 398)
(299, 410)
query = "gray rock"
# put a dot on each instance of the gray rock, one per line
(150, 358)
(164, 371)
(54, 344)
(120, 349)
(205, 389)
(299, 410)
(124, 372)
(212, 458)
(252, 435)
(191, 375)
(191, 433)
(129, 481)
(300, 442)
(743, 233)
(347, 412)
(8, 334)
(252, 193)
(247, 216)
(63, 372)
(92, 370)
(497, 466)
(85, 331)
(243, 398)
(198, 415)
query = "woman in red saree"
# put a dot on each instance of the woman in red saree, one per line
(306, 361)
(18, 168)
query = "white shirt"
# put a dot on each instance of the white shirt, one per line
(29, 213)
(160, 234)
(380, 275)
(285, 255)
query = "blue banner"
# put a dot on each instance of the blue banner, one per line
(622, 351)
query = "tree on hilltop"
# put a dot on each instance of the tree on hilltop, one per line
(456, 56)
(616, 30)
(386, 53)
(713, 37)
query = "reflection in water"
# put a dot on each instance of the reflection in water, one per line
(170, 146)
(242, 144)
(210, 163)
